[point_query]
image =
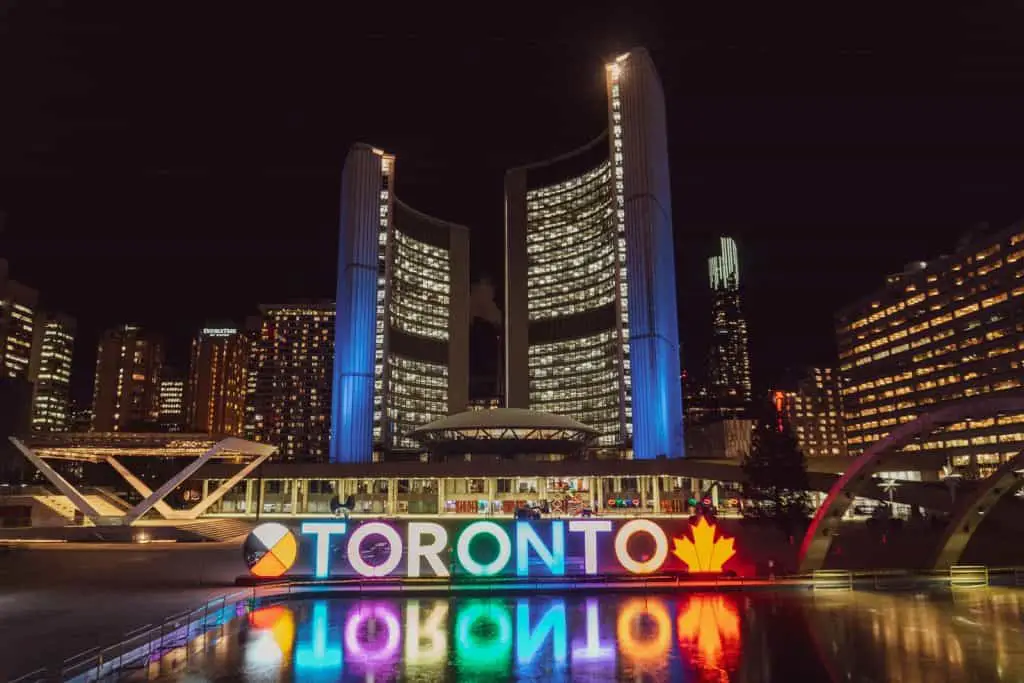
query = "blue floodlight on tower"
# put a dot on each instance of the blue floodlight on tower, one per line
(364, 182)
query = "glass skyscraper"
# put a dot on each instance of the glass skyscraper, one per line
(730, 354)
(402, 336)
(591, 327)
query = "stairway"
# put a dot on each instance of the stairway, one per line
(218, 529)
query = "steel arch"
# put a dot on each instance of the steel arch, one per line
(856, 480)
(969, 515)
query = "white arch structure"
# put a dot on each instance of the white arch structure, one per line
(857, 481)
(256, 453)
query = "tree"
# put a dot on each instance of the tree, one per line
(776, 478)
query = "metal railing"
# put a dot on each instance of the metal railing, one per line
(189, 632)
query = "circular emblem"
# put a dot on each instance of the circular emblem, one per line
(270, 550)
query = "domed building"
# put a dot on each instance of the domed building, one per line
(507, 433)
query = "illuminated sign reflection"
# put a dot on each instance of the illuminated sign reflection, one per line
(549, 638)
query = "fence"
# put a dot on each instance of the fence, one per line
(190, 632)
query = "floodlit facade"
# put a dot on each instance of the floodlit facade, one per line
(813, 412)
(50, 372)
(17, 325)
(729, 364)
(591, 327)
(402, 339)
(172, 400)
(288, 394)
(126, 390)
(940, 332)
(217, 381)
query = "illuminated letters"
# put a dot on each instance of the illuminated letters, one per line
(428, 551)
(382, 613)
(553, 558)
(476, 651)
(622, 546)
(355, 557)
(590, 528)
(318, 655)
(594, 650)
(432, 629)
(504, 548)
(648, 650)
(323, 531)
(528, 642)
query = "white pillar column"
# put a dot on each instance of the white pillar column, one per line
(440, 497)
(295, 496)
(656, 494)
(250, 498)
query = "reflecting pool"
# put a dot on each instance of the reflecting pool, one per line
(758, 636)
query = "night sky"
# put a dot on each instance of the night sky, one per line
(177, 163)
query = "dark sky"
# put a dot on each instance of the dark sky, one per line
(171, 163)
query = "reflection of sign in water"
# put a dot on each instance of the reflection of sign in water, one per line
(709, 632)
(270, 550)
(492, 638)
(704, 553)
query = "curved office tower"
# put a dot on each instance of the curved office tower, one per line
(590, 299)
(402, 335)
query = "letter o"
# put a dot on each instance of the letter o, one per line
(660, 546)
(504, 548)
(355, 558)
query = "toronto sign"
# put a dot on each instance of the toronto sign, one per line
(323, 549)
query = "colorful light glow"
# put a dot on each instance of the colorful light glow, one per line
(590, 528)
(323, 531)
(632, 618)
(380, 648)
(709, 633)
(273, 638)
(594, 649)
(431, 552)
(314, 659)
(637, 526)
(703, 553)
(504, 549)
(273, 548)
(529, 642)
(476, 651)
(432, 630)
(355, 543)
(553, 557)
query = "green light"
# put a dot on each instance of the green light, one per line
(483, 637)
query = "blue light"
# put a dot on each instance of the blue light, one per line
(529, 643)
(313, 658)
(322, 556)
(553, 558)
(356, 321)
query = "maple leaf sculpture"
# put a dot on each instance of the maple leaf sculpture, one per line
(704, 553)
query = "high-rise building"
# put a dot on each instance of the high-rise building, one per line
(941, 331)
(126, 391)
(17, 325)
(812, 410)
(729, 363)
(50, 372)
(402, 339)
(217, 381)
(172, 400)
(591, 326)
(288, 403)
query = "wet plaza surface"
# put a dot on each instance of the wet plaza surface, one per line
(975, 635)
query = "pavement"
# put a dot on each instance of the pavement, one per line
(60, 599)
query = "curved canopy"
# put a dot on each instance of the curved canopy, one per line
(505, 430)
